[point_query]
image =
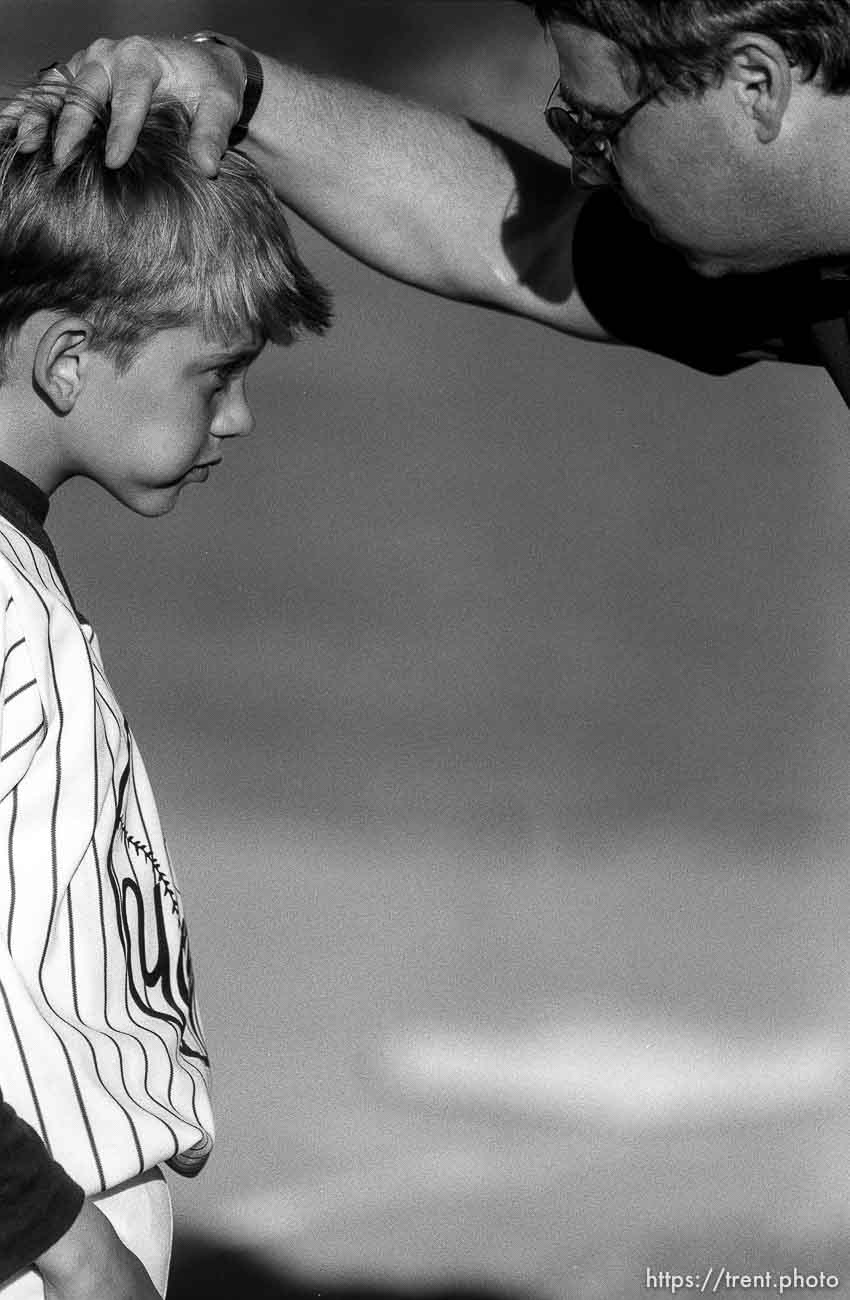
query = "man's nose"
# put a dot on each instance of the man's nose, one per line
(593, 173)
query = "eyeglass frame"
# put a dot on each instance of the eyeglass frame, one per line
(593, 149)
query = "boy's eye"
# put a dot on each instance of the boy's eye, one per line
(223, 375)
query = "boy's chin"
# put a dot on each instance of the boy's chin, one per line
(151, 503)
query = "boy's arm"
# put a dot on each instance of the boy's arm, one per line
(90, 1262)
(425, 197)
(46, 1222)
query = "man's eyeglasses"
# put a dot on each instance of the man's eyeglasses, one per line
(589, 137)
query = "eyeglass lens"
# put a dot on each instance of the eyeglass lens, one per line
(590, 154)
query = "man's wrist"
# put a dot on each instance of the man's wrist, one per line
(252, 83)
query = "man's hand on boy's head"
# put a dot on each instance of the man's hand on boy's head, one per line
(207, 78)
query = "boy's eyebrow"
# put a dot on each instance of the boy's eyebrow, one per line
(246, 353)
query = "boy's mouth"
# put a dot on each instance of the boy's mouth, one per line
(203, 467)
(199, 473)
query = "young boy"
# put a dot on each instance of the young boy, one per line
(131, 305)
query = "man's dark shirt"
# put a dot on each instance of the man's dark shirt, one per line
(643, 292)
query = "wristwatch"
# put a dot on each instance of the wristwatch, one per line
(252, 86)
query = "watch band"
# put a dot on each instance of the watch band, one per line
(252, 86)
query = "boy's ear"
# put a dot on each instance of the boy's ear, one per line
(60, 361)
(759, 66)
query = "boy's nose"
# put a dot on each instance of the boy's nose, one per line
(234, 420)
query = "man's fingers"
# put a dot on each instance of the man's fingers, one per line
(136, 72)
(130, 107)
(214, 119)
(92, 88)
(50, 91)
(30, 112)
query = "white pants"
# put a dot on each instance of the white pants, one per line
(140, 1212)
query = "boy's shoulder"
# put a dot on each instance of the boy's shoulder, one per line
(27, 570)
(46, 656)
(38, 621)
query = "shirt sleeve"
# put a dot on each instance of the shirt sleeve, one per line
(38, 1200)
(644, 293)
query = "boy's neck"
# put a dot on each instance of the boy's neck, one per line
(26, 439)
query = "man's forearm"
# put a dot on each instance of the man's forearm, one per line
(425, 197)
(375, 174)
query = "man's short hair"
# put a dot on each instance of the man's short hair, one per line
(683, 44)
(148, 246)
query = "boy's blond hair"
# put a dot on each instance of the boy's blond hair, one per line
(151, 245)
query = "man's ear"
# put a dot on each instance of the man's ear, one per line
(759, 69)
(60, 362)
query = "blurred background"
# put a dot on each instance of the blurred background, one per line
(496, 693)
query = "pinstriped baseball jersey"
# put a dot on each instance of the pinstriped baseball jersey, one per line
(101, 1047)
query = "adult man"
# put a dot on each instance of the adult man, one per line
(715, 128)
